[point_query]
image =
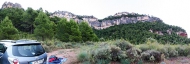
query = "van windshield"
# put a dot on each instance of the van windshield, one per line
(28, 50)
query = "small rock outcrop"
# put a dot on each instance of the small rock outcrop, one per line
(11, 5)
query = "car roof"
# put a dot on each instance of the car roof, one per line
(17, 42)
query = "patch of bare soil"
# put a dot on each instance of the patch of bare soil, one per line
(178, 60)
(174, 60)
(70, 54)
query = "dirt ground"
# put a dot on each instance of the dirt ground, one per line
(178, 60)
(71, 55)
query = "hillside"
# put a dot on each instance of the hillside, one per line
(140, 31)
(122, 38)
(131, 26)
(116, 19)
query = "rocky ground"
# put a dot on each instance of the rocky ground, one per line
(71, 55)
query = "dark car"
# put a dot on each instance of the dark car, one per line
(22, 52)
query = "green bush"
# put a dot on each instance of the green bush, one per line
(103, 61)
(122, 51)
(49, 48)
(68, 45)
(125, 61)
(143, 47)
(61, 45)
(134, 54)
(172, 51)
(151, 56)
(187, 51)
(124, 45)
(86, 62)
(116, 53)
(102, 53)
(164, 51)
(83, 56)
(183, 50)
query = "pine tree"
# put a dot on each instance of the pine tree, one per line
(75, 34)
(28, 19)
(62, 32)
(43, 27)
(68, 31)
(87, 32)
(7, 30)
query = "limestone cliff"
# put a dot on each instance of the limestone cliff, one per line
(116, 19)
(11, 5)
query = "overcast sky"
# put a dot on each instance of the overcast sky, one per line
(172, 12)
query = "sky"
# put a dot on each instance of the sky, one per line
(172, 12)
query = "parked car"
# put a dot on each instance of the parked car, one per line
(22, 52)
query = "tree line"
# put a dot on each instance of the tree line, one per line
(14, 21)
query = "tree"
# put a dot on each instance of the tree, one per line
(7, 30)
(14, 14)
(75, 34)
(1, 17)
(138, 32)
(68, 31)
(87, 32)
(63, 30)
(28, 20)
(55, 19)
(43, 27)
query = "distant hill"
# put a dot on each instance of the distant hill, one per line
(140, 31)
(11, 5)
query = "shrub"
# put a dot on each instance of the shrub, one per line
(140, 62)
(106, 52)
(133, 54)
(68, 45)
(124, 45)
(61, 45)
(86, 62)
(187, 51)
(49, 48)
(143, 47)
(99, 52)
(183, 50)
(125, 61)
(115, 53)
(103, 61)
(151, 56)
(83, 56)
(172, 52)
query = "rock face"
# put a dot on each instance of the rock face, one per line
(117, 19)
(10, 5)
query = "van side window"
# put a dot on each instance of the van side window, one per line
(2, 48)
